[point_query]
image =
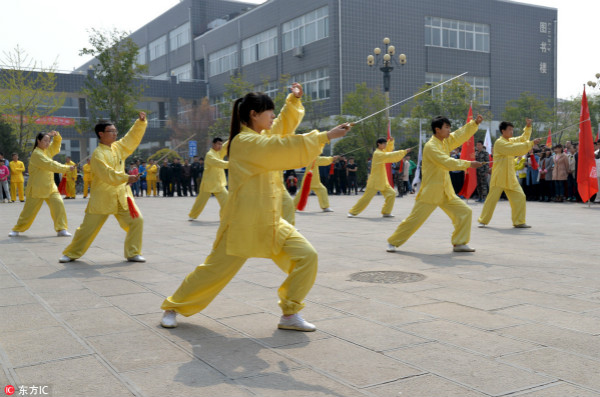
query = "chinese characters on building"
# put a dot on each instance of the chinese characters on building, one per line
(545, 45)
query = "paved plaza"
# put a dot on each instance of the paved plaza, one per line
(519, 317)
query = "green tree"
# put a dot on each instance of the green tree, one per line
(531, 106)
(165, 153)
(236, 88)
(8, 141)
(27, 95)
(113, 91)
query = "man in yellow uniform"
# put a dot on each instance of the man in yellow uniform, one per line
(436, 188)
(213, 180)
(87, 178)
(151, 178)
(504, 178)
(17, 168)
(315, 183)
(378, 180)
(71, 177)
(111, 193)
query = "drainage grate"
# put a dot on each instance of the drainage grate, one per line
(387, 277)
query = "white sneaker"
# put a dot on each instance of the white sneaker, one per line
(463, 248)
(351, 216)
(64, 233)
(136, 258)
(295, 322)
(169, 319)
(65, 259)
(388, 215)
(481, 225)
(391, 248)
(13, 234)
(327, 209)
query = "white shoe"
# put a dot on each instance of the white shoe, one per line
(388, 215)
(463, 248)
(65, 259)
(64, 233)
(295, 322)
(327, 209)
(391, 248)
(481, 225)
(169, 319)
(136, 258)
(13, 234)
(351, 216)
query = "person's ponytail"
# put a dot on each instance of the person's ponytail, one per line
(252, 101)
(236, 126)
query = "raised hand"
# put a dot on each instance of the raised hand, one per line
(479, 119)
(142, 116)
(297, 90)
(529, 122)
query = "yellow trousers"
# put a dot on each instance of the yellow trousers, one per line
(297, 258)
(91, 225)
(32, 207)
(202, 199)
(151, 187)
(517, 201)
(389, 194)
(320, 191)
(455, 208)
(288, 209)
(70, 187)
(14, 187)
(86, 185)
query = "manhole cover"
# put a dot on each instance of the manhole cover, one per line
(387, 277)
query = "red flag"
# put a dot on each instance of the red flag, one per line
(587, 182)
(549, 140)
(388, 166)
(468, 153)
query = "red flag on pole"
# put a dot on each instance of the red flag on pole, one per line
(587, 182)
(468, 153)
(549, 139)
(388, 166)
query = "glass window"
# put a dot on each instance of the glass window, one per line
(315, 83)
(158, 47)
(179, 37)
(306, 29)
(141, 57)
(182, 72)
(449, 33)
(260, 46)
(223, 60)
(480, 85)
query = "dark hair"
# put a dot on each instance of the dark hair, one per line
(38, 137)
(505, 124)
(101, 126)
(480, 142)
(438, 122)
(381, 140)
(559, 146)
(217, 139)
(257, 101)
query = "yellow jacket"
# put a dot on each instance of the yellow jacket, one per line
(213, 178)
(520, 167)
(71, 174)
(436, 185)
(110, 190)
(252, 215)
(41, 170)
(87, 173)
(17, 168)
(378, 179)
(151, 172)
(505, 150)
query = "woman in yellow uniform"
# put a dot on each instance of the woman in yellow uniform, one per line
(71, 177)
(315, 183)
(251, 223)
(87, 178)
(17, 168)
(151, 179)
(41, 186)
(378, 180)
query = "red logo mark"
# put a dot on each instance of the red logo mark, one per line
(9, 390)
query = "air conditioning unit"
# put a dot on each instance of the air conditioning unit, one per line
(298, 51)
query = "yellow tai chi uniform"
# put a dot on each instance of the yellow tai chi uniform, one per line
(213, 181)
(151, 180)
(251, 223)
(41, 187)
(285, 124)
(504, 178)
(109, 196)
(378, 180)
(71, 177)
(315, 183)
(87, 179)
(437, 191)
(17, 168)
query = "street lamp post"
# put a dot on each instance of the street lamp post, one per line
(386, 65)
